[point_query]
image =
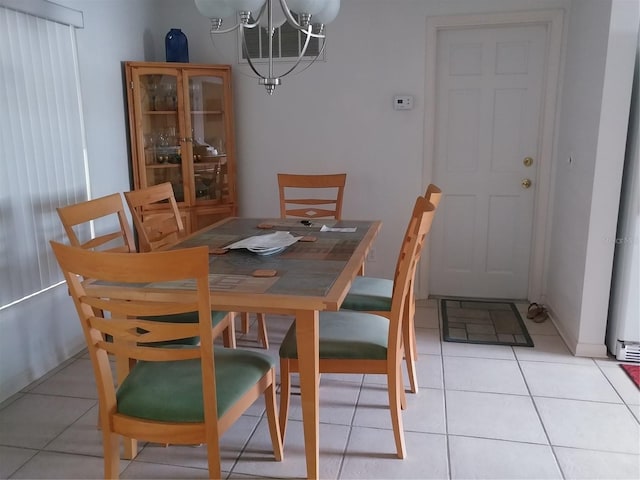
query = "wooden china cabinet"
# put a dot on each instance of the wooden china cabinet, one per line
(181, 127)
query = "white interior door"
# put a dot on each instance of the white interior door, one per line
(488, 104)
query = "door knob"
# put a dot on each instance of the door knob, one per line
(526, 183)
(528, 161)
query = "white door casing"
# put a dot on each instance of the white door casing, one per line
(490, 92)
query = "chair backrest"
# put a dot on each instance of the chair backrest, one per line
(157, 228)
(127, 301)
(297, 201)
(419, 226)
(433, 194)
(77, 216)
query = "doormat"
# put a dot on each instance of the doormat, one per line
(634, 373)
(483, 322)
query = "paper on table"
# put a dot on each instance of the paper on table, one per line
(336, 229)
(270, 243)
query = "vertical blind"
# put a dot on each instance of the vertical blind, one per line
(42, 164)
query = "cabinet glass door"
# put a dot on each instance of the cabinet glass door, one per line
(208, 138)
(161, 131)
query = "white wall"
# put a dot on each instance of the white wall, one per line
(337, 116)
(592, 132)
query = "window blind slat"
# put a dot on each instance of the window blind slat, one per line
(42, 146)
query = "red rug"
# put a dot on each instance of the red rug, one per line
(634, 373)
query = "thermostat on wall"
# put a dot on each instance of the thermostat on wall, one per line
(403, 102)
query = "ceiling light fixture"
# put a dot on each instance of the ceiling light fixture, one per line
(312, 16)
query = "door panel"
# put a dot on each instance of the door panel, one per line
(489, 91)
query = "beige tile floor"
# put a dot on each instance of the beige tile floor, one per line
(484, 412)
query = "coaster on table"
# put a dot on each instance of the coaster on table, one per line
(264, 273)
(307, 238)
(265, 226)
(217, 250)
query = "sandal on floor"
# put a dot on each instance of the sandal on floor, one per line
(537, 313)
(541, 317)
(534, 310)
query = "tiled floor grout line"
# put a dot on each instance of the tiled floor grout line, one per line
(351, 425)
(246, 443)
(444, 394)
(542, 424)
(628, 406)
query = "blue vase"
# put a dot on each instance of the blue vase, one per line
(176, 46)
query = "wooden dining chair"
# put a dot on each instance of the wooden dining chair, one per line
(365, 343)
(374, 295)
(77, 218)
(156, 229)
(309, 197)
(188, 395)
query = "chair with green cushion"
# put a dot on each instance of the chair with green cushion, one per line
(365, 343)
(306, 196)
(107, 214)
(173, 394)
(373, 295)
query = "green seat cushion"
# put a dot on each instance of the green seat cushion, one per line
(369, 294)
(172, 391)
(189, 317)
(344, 334)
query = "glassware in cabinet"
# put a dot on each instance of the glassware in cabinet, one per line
(181, 124)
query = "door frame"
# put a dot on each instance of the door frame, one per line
(553, 20)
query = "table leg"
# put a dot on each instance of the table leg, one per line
(308, 363)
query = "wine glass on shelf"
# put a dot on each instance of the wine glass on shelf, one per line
(150, 141)
(195, 98)
(152, 91)
(171, 98)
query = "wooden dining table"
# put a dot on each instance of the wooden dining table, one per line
(312, 275)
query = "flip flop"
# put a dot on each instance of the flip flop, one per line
(534, 310)
(541, 317)
(537, 313)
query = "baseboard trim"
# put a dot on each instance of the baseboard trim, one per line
(578, 349)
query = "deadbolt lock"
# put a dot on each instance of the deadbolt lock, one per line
(526, 183)
(528, 161)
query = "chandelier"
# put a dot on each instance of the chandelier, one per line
(307, 16)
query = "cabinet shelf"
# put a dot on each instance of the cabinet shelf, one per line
(162, 165)
(160, 112)
(207, 112)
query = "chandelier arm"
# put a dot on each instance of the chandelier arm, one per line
(246, 53)
(302, 52)
(324, 42)
(294, 23)
(226, 30)
(237, 25)
(257, 19)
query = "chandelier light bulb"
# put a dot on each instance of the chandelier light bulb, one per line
(214, 8)
(278, 18)
(328, 14)
(245, 5)
(307, 6)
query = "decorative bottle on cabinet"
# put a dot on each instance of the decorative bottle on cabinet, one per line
(176, 46)
(181, 126)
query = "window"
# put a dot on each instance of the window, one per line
(287, 44)
(42, 147)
